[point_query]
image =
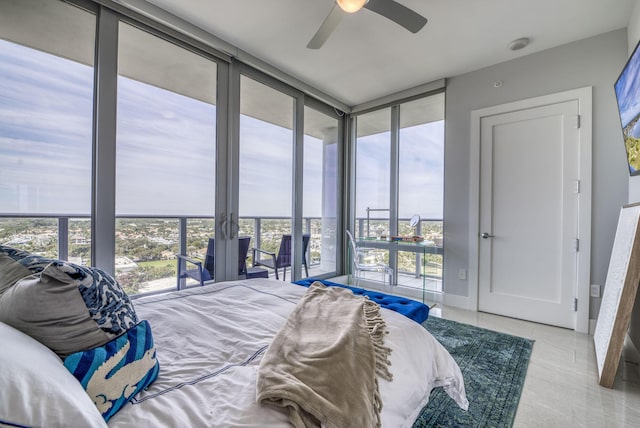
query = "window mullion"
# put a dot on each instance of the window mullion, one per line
(393, 186)
(105, 100)
(298, 161)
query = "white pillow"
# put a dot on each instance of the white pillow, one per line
(37, 390)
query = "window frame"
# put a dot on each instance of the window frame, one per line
(394, 122)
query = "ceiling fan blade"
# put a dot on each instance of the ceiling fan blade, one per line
(398, 13)
(330, 23)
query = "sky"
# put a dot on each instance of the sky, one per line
(45, 132)
(627, 89)
(420, 170)
(165, 151)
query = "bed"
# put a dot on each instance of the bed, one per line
(209, 342)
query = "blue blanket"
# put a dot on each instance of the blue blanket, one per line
(411, 309)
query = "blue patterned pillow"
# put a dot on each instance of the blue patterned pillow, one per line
(113, 373)
(33, 262)
(108, 304)
(14, 253)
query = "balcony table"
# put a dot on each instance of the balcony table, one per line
(424, 248)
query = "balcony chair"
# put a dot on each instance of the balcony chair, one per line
(283, 258)
(206, 273)
(367, 260)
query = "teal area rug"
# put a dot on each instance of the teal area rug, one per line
(493, 365)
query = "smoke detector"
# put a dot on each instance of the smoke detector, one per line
(518, 44)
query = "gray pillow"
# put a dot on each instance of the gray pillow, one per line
(67, 307)
(10, 272)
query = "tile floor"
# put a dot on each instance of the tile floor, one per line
(561, 388)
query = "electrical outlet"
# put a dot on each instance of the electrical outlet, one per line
(595, 290)
(462, 274)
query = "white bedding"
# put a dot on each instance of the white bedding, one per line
(209, 343)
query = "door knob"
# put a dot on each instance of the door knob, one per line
(485, 235)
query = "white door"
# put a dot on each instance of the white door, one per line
(528, 226)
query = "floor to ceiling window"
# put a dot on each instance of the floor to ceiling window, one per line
(148, 174)
(269, 176)
(165, 157)
(320, 189)
(399, 176)
(266, 165)
(46, 113)
(373, 175)
(421, 188)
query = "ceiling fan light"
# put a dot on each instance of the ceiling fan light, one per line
(351, 6)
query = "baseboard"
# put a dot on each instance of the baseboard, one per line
(457, 301)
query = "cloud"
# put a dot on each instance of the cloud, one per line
(421, 171)
(627, 89)
(166, 151)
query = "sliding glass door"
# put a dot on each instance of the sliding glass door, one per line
(288, 196)
(165, 158)
(265, 169)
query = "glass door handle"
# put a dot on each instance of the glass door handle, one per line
(223, 226)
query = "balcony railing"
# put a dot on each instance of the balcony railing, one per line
(146, 245)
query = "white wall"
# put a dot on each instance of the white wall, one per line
(595, 62)
(633, 29)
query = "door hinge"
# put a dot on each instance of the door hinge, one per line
(578, 122)
(577, 189)
(576, 245)
(575, 304)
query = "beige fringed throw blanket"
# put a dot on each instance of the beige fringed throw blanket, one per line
(323, 363)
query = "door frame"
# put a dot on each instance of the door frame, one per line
(584, 98)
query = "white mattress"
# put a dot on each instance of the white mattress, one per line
(209, 343)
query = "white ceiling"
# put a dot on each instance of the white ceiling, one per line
(368, 56)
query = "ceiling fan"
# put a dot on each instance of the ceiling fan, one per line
(390, 9)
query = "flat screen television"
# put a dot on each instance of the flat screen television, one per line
(627, 89)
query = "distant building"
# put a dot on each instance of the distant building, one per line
(125, 264)
(18, 240)
(79, 240)
(76, 260)
(161, 241)
(167, 255)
